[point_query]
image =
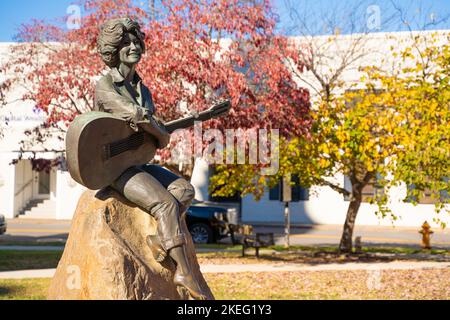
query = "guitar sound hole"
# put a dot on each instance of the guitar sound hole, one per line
(131, 143)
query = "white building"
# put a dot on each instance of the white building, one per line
(51, 195)
(55, 194)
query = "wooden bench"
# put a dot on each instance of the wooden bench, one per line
(250, 240)
(260, 240)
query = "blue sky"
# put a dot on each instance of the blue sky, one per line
(15, 12)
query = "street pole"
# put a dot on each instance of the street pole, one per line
(287, 225)
(286, 197)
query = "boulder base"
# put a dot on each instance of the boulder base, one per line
(106, 255)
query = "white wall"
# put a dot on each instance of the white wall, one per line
(326, 206)
(7, 175)
(200, 179)
(68, 192)
(23, 186)
(63, 189)
(53, 173)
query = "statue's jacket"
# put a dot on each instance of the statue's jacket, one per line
(115, 95)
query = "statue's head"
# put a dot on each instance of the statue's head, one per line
(120, 40)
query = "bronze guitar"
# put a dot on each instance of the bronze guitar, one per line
(100, 146)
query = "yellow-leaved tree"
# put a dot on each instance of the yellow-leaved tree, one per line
(390, 128)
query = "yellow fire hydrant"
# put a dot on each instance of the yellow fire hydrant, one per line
(426, 235)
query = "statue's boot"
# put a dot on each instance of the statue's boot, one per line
(156, 248)
(183, 277)
(185, 287)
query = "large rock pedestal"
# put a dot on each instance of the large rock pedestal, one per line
(106, 255)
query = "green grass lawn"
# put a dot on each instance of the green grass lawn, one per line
(331, 249)
(21, 260)
(32, 243)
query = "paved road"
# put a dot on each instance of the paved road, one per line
(56, 230)
(36, 230)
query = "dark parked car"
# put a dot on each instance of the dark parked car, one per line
(208, 223)
(2, 224)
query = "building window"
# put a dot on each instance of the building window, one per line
(428, 196)
(445, 195)
(275, 192)
(373, 190)
(298, 193)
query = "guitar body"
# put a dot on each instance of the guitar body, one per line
(100, 147)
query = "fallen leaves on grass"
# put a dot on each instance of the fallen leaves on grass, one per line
(372, 284)
(388, 284)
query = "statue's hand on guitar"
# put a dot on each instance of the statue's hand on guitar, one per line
(164, 140)
(161, 131)
(156, 128)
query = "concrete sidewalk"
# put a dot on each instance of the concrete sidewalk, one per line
(235, 268)
(28, 274)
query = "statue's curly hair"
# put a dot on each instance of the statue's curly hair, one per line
(111, 36)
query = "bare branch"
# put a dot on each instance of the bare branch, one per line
(333, 186)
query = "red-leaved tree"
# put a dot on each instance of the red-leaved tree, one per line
(197, 51)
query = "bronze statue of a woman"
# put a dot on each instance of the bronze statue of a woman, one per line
(158, 191)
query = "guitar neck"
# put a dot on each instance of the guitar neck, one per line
(184, 123)
(189, 121)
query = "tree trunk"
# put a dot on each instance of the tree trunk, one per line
(346, 243)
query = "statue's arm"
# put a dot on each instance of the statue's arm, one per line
(112, 102)
(153, 124)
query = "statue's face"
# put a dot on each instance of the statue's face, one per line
(131, 50)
